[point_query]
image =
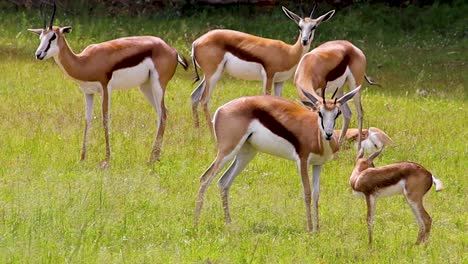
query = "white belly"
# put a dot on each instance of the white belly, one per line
(264, 140)
(242, 69)
(392, 190)
(122, 79)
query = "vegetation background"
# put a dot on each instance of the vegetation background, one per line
(56, 209)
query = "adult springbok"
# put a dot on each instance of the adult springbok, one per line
(280, 128)
(146, 62)
(330, 66)
(249, 57)
(407, 178)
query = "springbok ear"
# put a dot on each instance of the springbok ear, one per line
(64, 30)
(375, 154)
(325, 17)
(312, 99)
(291, 15)
(37, 31)
(345, 98)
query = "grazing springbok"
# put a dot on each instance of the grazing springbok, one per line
(372, 138)
(248, 57)
(280, 128)
(330, 66)
(407, 178)
(146, 61)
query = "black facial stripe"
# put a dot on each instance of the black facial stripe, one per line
(50, 41)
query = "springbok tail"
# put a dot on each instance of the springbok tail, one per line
(371, 82)
(196, 78)
(438, 184)
(182, 61)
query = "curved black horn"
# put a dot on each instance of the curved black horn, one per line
(313, 10)
(53, 16)
(43, 16)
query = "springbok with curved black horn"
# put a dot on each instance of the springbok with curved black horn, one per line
(145, 61)
(407, 178)
(332, 65)
(280, 128)
(248, 57)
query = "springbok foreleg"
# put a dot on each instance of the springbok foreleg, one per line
(370, 201)
(89, 100)
(316, 171)
(244, 156)
(360, 115)
(267, 84)
(279, 88)
(106, 101)
(346, 119)
(302, 165)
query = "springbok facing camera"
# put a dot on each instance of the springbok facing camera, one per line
(330, 66)
(146, 61)
(248, 57)
(372, 138)
(407, 178)
(280, 128)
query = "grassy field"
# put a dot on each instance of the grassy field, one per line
(54, 209)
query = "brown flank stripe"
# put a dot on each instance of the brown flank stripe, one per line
(338, 70)
(131, 61)
(277, 128)
(242, 54)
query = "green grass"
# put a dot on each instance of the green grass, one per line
(55, 209)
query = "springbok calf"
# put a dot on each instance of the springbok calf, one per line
(407, 178)
(278, 127)
(372, 138)
(147, 62)
(330, 66)
(248, 57)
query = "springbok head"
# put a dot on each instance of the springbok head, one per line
(48, 35)
(307, 25)
(364, 163)
(329, 110)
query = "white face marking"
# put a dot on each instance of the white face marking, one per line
(263, 140)
(48, 46)
(242, 69)
(307, 31)
(327, 120)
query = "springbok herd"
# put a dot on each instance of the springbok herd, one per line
(247, 125)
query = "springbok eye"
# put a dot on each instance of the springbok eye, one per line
(338, 114)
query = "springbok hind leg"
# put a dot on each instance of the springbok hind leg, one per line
(205, 181)
(244, 156)
(195, 98)
(422, 217)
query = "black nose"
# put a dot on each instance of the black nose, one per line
(328, 135)
(304, 42)
(38, 56)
